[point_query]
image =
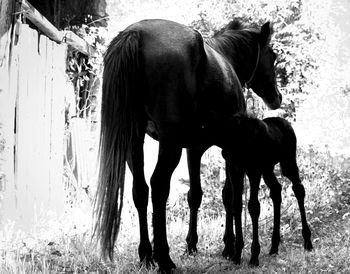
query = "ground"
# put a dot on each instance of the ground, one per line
(73, 252)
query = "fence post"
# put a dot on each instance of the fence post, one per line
(7, 111)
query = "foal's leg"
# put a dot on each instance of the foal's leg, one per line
(140, 196)
(229, 236)
(236, 178)
(275, 194)
(291, 171)
(168, 159)
(194, 195)
(254, 211)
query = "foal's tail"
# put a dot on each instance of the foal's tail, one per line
(118, 122)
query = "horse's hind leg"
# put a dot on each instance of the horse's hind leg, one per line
(140, 196)
(254, 211)
(194, 195)
(291, 171)
(168, 158)
(275, 194)
(229, 236)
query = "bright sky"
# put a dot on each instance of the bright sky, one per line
(342, 18)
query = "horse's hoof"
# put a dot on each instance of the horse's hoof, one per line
(166, 269)
(308, 246)
(191, 250)
(236, 259)
(254, 262)
(273, 251)
(147, 262)
(228, 252)
(165, 265)
(145, 255)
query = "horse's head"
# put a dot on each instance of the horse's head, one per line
(263, 81)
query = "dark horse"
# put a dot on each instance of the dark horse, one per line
(160, 77)
(256, 146)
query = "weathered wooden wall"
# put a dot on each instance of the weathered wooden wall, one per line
(33, 89)
(34, 116)
(7, 102)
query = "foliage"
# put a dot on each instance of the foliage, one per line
(298, 42)
(327, 174)
(212, 176)
(85, 72)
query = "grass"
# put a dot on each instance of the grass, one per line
(64, 245)
(68, 249)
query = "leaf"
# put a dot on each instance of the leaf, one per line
(346, 215)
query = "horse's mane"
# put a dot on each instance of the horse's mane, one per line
(235, 24)
(234, 33)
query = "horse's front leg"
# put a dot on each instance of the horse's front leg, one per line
(229, 236)
(236, 177)
(140, 196)
(194, 195)
(168, 158)
(275, 194)
(254, 211)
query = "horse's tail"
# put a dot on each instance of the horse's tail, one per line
(118, 121)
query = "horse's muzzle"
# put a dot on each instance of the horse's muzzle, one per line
(276, 103)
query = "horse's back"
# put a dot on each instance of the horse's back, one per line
(185, 82)
(171, 54)
(280, 127)
(282, 135)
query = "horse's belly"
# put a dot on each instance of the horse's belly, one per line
(184, 135)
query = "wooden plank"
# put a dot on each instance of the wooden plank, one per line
(79, 134)
(53, 33)
(23, 131)
(8, 90)
(49, 101)
(41, 22)
(46, 108)
(36, 86)
(57, 128)
(79, 44)
(7, 8)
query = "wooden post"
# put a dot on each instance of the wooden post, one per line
(41, 22)
(7, 111)
(54, 34)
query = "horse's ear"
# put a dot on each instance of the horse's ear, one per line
(265, 34)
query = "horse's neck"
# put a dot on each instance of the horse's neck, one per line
(244, 62)
(242, 57)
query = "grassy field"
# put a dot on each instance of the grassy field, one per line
(63, 245)
(66, 248)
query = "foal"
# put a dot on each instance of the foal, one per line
(256, 146)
